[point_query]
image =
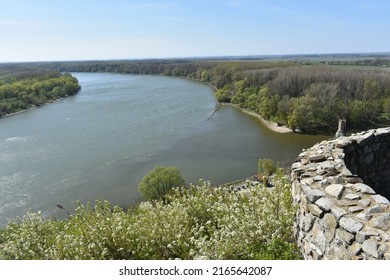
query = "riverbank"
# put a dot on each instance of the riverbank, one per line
(35, 106)
(272, 126)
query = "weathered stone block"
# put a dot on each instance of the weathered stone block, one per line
(307, 222)
(345, 236)
(365, 202)
(326, 165)
(325, 203)
(380, 199)
(382, 221)
(350, 224)
(318, 178)
(319, 239)
(328, 224)
(338, 212)
(352, 196)
(315, 210)
(355, 209)
(364, 216)
(376, 209)
(362, 236)
(312, 194)
(355, 249)
(296, 165)
(347, 203)
(363, 188)
(316, 158)
(371, 247)
(335, 190)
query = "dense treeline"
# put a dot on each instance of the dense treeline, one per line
(306, 97)
(381, 62)
(24, 87)
(313, 98)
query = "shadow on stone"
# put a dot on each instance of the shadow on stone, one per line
(369, 159)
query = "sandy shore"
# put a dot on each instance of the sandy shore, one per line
(274, 127)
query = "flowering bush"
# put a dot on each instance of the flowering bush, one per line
(198, 222)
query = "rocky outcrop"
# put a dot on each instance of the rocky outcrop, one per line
(340, 187)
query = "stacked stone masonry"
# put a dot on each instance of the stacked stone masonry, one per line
(340, 187)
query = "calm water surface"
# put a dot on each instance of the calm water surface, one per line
(99, 143)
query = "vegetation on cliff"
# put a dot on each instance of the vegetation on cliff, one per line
(198, 222)
(22, 88)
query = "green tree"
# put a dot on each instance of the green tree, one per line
(386, 106)
(158, 182)
(266, 166)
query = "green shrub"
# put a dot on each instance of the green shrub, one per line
(159, 181)
(198, 222)
(266, 167)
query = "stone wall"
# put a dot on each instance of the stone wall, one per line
(339, 188)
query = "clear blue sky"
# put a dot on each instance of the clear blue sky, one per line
(40, 30)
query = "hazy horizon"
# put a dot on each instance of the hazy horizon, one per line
(73, 30)
(266, 57)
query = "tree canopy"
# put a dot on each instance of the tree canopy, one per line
(159, 181)
(22, 88)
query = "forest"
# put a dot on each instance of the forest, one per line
(306, 96)
(24, 87)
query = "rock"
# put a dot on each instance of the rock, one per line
(323, 183)
(365, 202)
(337, 252)
(381, 131)
(346, 172)
(326, 165)
(362, 236)
(363, 188)
(355, 209)
(382, 221)
(307, 221)
(345, 236)
(380, 199)
(355, 249)
(371, 247)
(338, 212)
(383, 248)
(347, 203)
(352, 196)
(335, 190)
(319, 239)
(318, 178)
(316, 158)
(312, 194)
(364, 216)
(296, 165)
(350, 224)
(315, 210)
(354, 179)
(325, 203)
(341, 143)
(329, 224)
(376, 209)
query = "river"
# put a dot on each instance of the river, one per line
(100, 143)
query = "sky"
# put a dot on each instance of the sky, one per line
(60, 30)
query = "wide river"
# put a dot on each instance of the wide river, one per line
(101, 142)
